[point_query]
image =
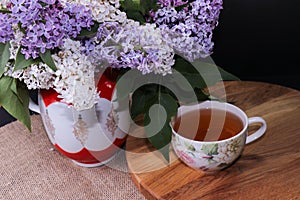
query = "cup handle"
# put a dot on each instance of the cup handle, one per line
(33, 106)
(260, 132)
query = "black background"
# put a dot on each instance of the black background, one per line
(255, 40)
(259, 40)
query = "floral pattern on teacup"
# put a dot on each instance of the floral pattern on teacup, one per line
(208, 156)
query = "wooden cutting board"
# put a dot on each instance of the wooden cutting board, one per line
(269, 168)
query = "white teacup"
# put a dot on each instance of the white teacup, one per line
(208, 152)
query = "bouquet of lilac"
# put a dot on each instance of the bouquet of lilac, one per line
(46, 44)
(61, 44)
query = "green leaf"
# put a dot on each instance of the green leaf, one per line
(191, 147)
(228, 76)
(5, 54)
(16, 104)
(195, 79)
(130, 80)
(133, 10)
(188, 70)
(124, 88)
(147, 5)
(136, 15)
(212, 73)
(169, 103)
(182, 65)
(130, 4)
(140, 98)
(201, 74)
(14, 88)
(47, 59)
(179, 8)
(161, 141)
(89, 32)
(22, 62)
(4, 11)
(159, 132)
(210, 149)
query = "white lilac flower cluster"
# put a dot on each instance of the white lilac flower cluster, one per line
(35, 77)
(75, 76)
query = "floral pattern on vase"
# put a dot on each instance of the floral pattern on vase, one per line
(80, 130)
(112, 121)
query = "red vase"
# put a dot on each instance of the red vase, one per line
(89, 137)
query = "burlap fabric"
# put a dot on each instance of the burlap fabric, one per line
(31, 169)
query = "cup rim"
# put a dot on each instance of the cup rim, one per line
(242, 113)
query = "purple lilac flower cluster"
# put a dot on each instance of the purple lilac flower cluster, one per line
(190, 29)
(132, 46)
(172, 3)
(6, 30)
(45, 23)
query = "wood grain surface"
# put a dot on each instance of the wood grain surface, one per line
(268, 168)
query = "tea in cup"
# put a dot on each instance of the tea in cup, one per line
(211, 135)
